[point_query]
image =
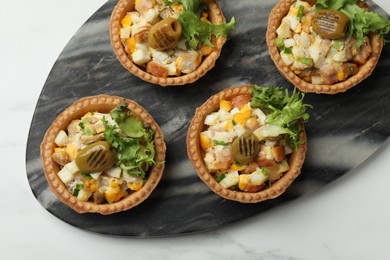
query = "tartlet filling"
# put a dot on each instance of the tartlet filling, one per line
(244, 147)
(104, 156)
(154, 36)
(319, 45)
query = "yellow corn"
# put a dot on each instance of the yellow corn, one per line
(72, 151)
(204, 19)
(127, 21)
(225, 105)
(237, 167)
(205, 142)
(131, 44)
(136, 185)
(340, 75)
(114, 192)
(240, 118)
(243, 181)
(229, 125)
(177, 7)
(137, 2)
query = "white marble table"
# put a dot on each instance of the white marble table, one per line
(348, 219)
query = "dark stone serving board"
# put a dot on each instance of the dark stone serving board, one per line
(343, 131)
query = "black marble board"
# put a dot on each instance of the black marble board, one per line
(343, 131)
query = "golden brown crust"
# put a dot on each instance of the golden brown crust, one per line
(195, 153)
(208, 62)
(103, 104)
(276, 15)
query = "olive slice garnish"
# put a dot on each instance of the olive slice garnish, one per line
(95, 157)
(245, 148)
(330, 24)
(165, 34)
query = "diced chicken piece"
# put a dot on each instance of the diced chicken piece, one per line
(143, 6)
(188, 61)
(61, 138)
(151, 16)
(125, 33)
(328, 74)
(156, 69)
(141, 55)
(365, 50)
(288, 59)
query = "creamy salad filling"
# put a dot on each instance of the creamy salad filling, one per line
(104, 156)
(320, 45)
(154, 35)
(244, 146)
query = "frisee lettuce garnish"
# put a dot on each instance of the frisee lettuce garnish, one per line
(132, 141)
(196, 31)
(361, 21)
(281, 109)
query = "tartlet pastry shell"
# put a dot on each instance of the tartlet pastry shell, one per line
(103, 104)
(208, 62)
(276, 15)
(196, 154)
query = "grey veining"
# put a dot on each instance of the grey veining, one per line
(343, 131)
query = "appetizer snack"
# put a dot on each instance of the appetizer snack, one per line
(248, 143)
(168, 42)
(325, 46)
(103, 154)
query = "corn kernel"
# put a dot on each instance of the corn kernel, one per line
(205, 142)
(240, 118)
(229, 125)
(237, 167)
(243, 182)
(137, 2)
(340, 75)
(136, 185)
(225, 105)
(72, 151)
(246, 110)
(127, 21)
(131, 44)
(204, 19)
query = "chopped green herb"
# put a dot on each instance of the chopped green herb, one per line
(338, 44)
(287, 50)
(86, 175)
(279, 43)
(300, 11)
(304, 60)
(76, 190)
(220, 177)
(265, 171)
(234, 122)
(216, 142)
(85, 127)
(234, 187)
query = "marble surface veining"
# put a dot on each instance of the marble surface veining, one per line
(343, 130)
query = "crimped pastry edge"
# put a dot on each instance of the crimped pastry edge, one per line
(275, 17)
(103, 104)
(195, 154)
(208, 62)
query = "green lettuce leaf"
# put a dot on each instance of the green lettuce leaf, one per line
(281, 109)
(132, 141)
(361, 21)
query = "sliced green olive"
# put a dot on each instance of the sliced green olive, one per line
(330, 24)
(95, 157)
(245, 148)
(165, 34)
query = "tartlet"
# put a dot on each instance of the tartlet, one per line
(280, 10)
(215, 16)
(196, 153)
(101, 104)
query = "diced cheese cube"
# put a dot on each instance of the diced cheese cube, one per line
(95, 175)
(72, 167)
(231, 179)
(283, 166)
(125, 32)
(239, 129)
(258, 177)
(114, 172)
(65, 176)
(212, 118)
(61, 138)
(140, 55)
(135, 17)
(151, 15)
(171, 67)
(284, 29)
(83, 195)
(289, 42)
